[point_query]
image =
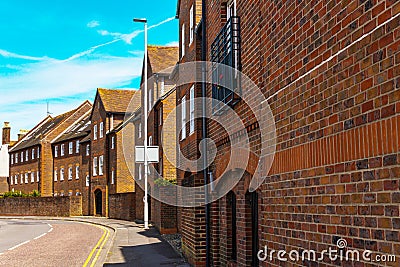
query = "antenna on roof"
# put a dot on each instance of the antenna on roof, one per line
(48, 109)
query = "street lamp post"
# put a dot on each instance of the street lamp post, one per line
(146, 204)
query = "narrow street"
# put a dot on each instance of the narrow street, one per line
(50, 243)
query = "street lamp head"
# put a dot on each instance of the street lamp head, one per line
(142, 20)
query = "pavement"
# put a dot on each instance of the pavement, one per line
(129, 244)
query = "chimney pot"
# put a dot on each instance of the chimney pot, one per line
(6, 134)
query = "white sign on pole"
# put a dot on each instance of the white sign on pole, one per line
(152, 154)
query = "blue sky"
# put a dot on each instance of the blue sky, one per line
(61, 51)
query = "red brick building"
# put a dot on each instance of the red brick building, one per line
(161, 101)
(329, 71)
(31, 158)
(189, 13)
(71, 164)
(109, 171)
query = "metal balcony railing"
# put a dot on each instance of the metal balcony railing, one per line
(226, 50)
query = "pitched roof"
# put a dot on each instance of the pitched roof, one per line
(79, 129)
(117, 100)
(34, 137)
(163, 58)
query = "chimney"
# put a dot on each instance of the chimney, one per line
(22, 133)
(6, 137)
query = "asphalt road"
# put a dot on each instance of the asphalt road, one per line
(50, 243)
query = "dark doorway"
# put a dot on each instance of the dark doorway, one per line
(252, 199)
(98, 200)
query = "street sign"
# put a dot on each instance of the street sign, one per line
(152, 154)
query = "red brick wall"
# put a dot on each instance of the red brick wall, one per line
(122, 206)
(41, 206)
(335, 173)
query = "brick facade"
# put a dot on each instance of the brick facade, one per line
(330, 73)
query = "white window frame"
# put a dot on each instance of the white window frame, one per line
(70, 148)
(62, 152)
(140, 172)
(33, 153)
(183, 118)
(140, 130)
(62, 174)
(87, 180)
(160, 116)
(56, 151)
(191, 111)
(22, 156)
(77, 169)
(183, 40)
(37, 176)
(77, 144)
(112, 177)
(26, 177)
(150, 140)
(150, 99)
(38, 153)
(88, 150)
(27, 156)
(16, 179)
(95, 166)
(101, 165)
(69, 173)
(56, 175)
(112, 142)
(22, 178)
(32, 177)
(101, 129)
(191, 19)
(16, 158)
(12, 180)
(12, 159)
(95, 132)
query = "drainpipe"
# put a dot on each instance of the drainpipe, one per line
(204, 129)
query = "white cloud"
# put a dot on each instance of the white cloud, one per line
(175, 43)
(8, 54)
(93, 24)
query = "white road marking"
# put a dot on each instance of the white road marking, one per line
(23, 243)
(50, 230)
(42, 235)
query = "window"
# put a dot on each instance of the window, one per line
(95, 132)
(12, 180)
(160, 116)
(87, 180)
(12, 158)
(56, 151)
(22, 178)
(37, 176)
(95, 166)
(16, 158)
(70, 148)
(22, 157)
(32, 177)
(62, 174)
(26, 177)
(101, 165)
(191, 108)
(225, 50)
(112, 177)
(33, 153)
(101, 129)
(27, 156)
(77, 147)
(150, 99)
(183, 116)
(191, 25)
(87, 150)
(150, 140)
(55, 175)
(140, 130)
(140, 172)
(16, 179)
(112, 142)
(70, 173)
(38, 153)
(162, 85)
(183, 40)
(62, 149)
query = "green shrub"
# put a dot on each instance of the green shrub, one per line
(164, 182)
